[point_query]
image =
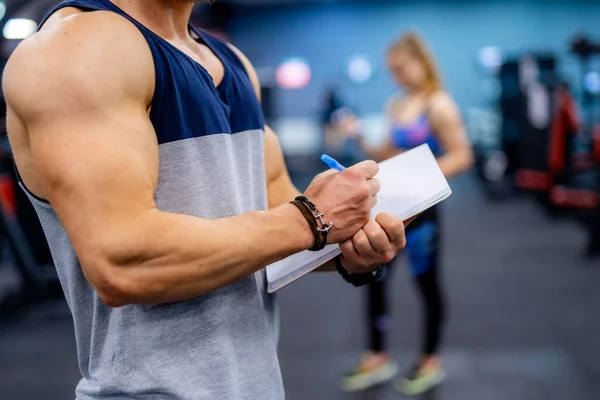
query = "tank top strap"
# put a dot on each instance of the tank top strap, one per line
(94, 5)
(221, 48)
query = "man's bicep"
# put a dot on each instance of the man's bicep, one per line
(89, 144)
(97, 175)
(95, 157)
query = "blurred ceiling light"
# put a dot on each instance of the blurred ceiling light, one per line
(592, 82)
(19, 28)
(2, 10)
(360, 69)
(294, 73)
(491, 58)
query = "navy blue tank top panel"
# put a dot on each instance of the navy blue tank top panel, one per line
(235, 86)
(186, 104)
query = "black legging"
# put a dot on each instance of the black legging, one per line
(423, 244)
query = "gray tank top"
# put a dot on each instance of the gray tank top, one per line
(222, 345)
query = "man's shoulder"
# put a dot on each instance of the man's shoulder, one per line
(70, 30)
(79, 38)
(82, 51)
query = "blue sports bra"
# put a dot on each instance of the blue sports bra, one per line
(415, 134)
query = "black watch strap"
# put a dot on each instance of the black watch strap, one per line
(358, 280)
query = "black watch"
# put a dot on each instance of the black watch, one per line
(358, 280)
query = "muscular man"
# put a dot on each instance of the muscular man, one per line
(163, 196)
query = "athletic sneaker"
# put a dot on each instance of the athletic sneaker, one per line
(419, 381)
(363, 378)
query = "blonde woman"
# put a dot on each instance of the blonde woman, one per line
(424, 113)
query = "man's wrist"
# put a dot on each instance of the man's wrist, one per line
(358, 280)
(315, 221)
(299, 226)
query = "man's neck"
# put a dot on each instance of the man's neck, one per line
(166, 18)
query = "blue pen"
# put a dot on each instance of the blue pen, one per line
(332, 163)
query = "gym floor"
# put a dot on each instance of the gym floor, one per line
(523, 325)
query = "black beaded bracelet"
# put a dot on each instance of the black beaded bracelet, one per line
(358, 280)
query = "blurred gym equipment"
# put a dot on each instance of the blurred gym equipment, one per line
(584, 48)
(543, 147)
(524, 104)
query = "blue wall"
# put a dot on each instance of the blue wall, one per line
(327, 34)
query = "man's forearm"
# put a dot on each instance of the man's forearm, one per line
(172, 257)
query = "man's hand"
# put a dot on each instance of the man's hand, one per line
(346, 198)
(375, 244)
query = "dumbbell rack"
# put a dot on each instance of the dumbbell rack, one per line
(593, 247)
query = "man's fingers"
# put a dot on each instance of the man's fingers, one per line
(367, 169)
(348, 250)
(377, 236)
(352, 261)
(374, 200)
(362, 244)
(374, 186)
(393, 226)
